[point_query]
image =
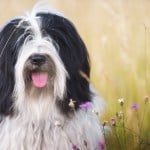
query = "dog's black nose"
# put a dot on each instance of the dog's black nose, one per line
(38, 59)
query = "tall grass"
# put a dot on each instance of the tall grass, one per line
(117, 34)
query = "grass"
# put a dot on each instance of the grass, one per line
(117, 35)
(130, 131)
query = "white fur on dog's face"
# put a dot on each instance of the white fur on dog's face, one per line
(42, 47)
(38, 45)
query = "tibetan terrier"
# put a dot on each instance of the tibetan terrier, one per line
(46, 101)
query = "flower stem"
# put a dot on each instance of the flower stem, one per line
(123, 124)
(117, 138)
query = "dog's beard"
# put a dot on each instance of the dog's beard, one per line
(38, 98)
(39, 79)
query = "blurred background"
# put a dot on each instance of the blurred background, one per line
(117, 35)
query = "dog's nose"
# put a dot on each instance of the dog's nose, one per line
(38, 59)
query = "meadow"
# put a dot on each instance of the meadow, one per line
(117, 35)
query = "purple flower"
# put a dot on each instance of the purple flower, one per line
(101, 144)
(134, 106)
(113, 122)
(74, 147)
(86, 105)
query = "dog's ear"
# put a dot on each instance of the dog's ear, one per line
(6, 72)
(73, 53)
(9, 48)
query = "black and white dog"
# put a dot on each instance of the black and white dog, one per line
(46, 102)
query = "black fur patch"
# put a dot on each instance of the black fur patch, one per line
(71, 50)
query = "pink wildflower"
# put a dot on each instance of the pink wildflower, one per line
(134, 106)
(113, 122)
(74, 147)
(101, 144)
(86, 106)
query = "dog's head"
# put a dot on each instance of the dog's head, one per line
(42, 54)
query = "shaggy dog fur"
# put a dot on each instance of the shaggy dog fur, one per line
(46, 102)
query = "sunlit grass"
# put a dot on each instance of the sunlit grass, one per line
(117, 34)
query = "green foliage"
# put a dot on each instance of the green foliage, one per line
(129, 128)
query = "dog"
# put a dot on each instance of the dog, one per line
(46, 100)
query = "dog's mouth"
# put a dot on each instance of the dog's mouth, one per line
(39, 70)
(39, 79)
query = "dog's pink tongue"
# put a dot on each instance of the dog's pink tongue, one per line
(40, 79)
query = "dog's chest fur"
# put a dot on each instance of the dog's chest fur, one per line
(19, 134)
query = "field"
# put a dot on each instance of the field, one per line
(117, 35)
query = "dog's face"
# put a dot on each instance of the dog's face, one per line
(41, 70)
(42, 54)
